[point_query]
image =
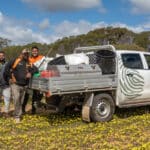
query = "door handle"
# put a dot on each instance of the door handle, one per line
(129, 74)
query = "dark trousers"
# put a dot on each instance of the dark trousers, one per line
(36, 98)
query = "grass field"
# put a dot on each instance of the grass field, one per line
(129, 129)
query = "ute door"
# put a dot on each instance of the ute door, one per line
(134, 79)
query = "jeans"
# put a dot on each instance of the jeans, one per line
(6, 92)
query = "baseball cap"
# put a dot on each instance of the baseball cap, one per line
(25, 51)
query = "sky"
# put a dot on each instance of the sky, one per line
(45, 21)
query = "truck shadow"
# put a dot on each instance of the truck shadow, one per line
(134, 111)
(68, 112)
(71, 113)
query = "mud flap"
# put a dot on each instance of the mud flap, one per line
(86, 107)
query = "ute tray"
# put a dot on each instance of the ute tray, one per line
(75, 79)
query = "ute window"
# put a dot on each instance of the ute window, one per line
(132, 61)
(147, 57)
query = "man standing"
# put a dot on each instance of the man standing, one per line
(37, 96)
(20, 71)
(4, 85)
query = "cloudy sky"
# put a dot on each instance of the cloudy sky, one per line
(45, 21)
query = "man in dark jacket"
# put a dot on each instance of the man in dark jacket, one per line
(4, 85)
(19, 71)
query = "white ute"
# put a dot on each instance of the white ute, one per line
(112, 78)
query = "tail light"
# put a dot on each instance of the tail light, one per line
(48, 94)
(49, 73)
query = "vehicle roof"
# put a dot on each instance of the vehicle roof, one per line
(131, 51)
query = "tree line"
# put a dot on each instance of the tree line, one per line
(121, 38)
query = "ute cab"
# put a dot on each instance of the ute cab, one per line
(133, 86)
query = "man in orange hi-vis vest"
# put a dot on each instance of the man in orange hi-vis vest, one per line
(37, 96)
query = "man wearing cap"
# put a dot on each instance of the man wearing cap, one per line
(18, 71)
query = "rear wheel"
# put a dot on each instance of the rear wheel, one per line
(103, 108)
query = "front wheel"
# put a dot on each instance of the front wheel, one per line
(103, 108)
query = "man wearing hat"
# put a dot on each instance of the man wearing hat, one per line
(18, 71)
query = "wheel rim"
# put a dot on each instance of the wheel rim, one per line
(103, 108)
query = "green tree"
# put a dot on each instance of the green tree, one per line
(4, 42)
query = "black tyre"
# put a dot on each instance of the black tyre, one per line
(103, 108)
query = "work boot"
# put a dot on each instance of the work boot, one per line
(17, 120)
